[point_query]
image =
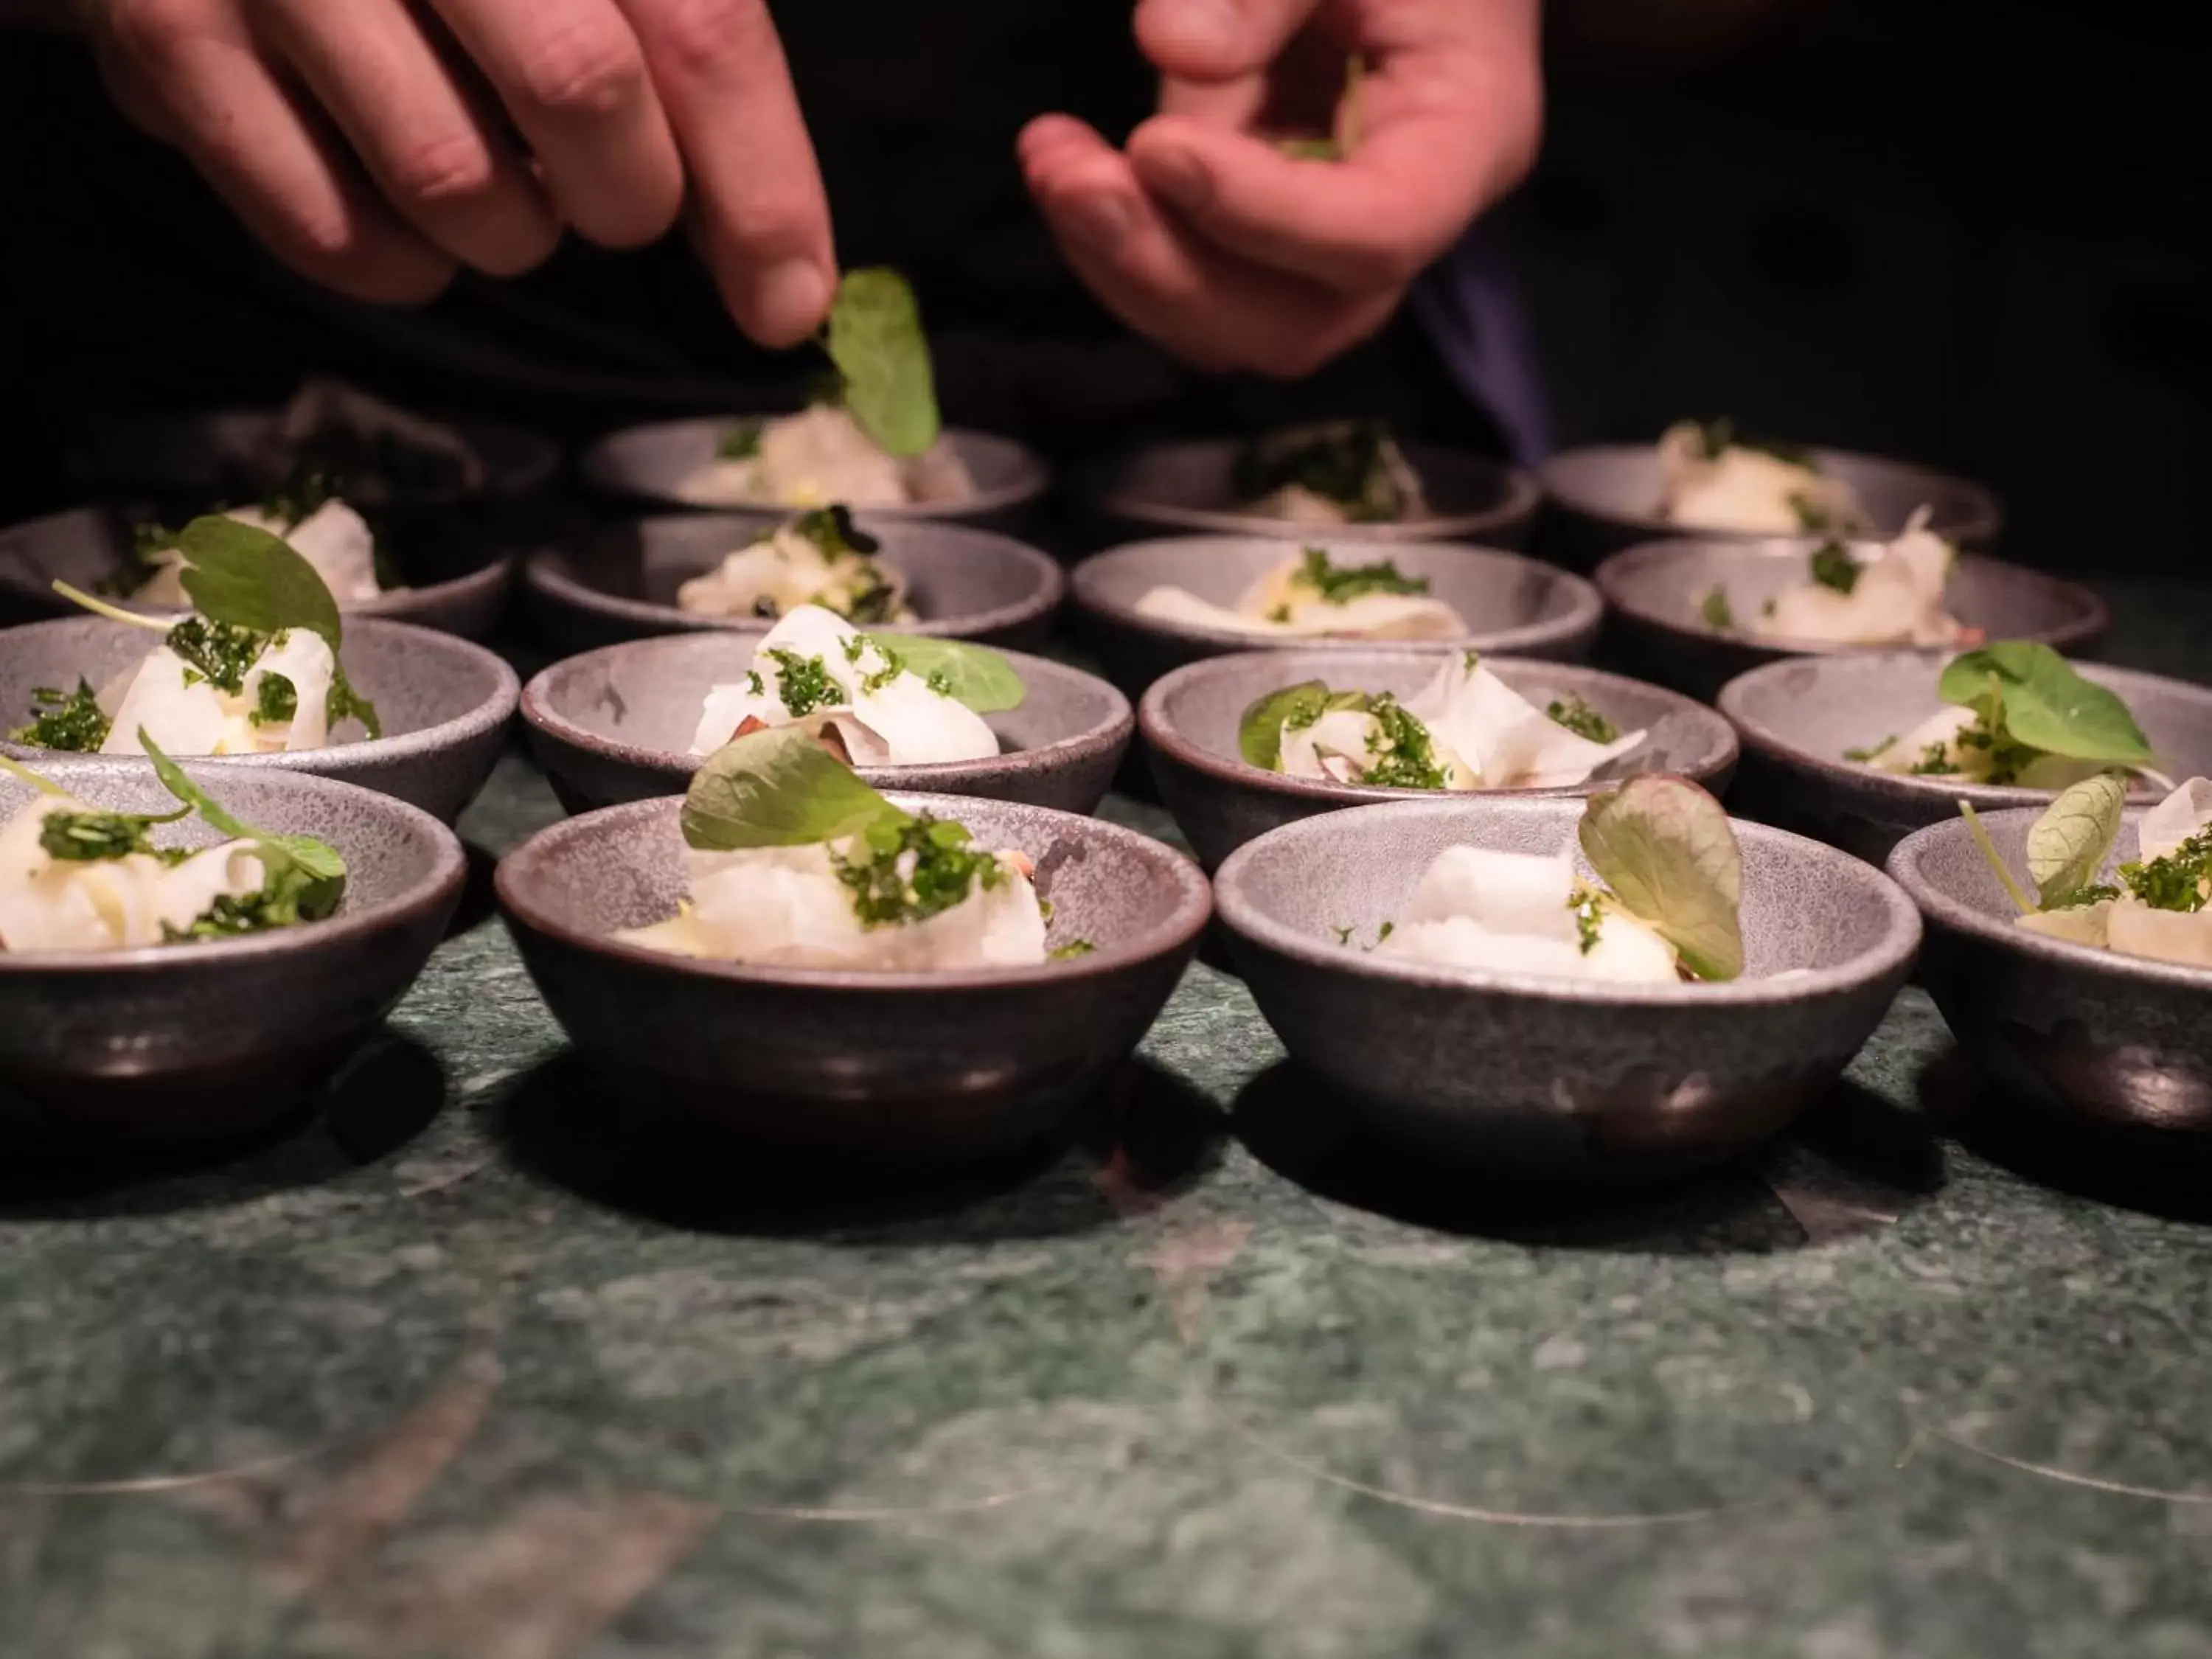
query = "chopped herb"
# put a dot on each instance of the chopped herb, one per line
(874, 598)
(1343, 934)
(1934, 762)
(1385, 930)
(1280, 613)
(740, 442)
(909, 870)
(2181, 880)
(1469, 661)
(1873, 752)
(68, 720)
(1770, 606)
(831, 530)
(766, 608)
(2082, 897)
(754, 684)
(1404, 757)
(1814, 515)
(1584, 721)
(804, 684)
(1071, 950)
(218, 652)
(1588, 911)
(893, 665)
(940, 681)
(1832, 566)
(1716, 438)
(345, 702)
(94, 837)
(1341, 583)
(853, 646)
(276, 701)
(1347, 463)
(1715, 609)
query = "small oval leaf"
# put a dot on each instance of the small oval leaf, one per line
(2069, 844)
(876, 339)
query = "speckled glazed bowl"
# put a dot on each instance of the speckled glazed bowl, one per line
(1797, 717)
(621, 583)
(1189, 721)
(1513, 606)
(644, 466)
(1602, 499)
(172, 1042)
(2117, 1040)
(88, 547)
(1553, 1076)
(445, 704)
(1654, 592)
(1188, 488)
(903, 1066)
(615, 725)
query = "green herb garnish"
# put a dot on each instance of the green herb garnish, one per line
(1832, 566)
(1346, 463)
(1872, 751)
(1071, 950)
(973, 675)
(1341, 583)
(1588, 911)
(1716, 438)
(1934, 762)
(1717, 611)
(92, 837)
(277, 700)
(2028, 698)
(1579, 718)
(803, 684)
(217, 652)
(1260, 730)
(740, 441)
(833, 532)
(303, 880)
(1405, 758)
(1815, 517)
(67, 720)
(2178, 881)
(909, 869)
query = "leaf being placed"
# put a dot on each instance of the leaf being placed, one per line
(303, 880)
(2067, 846)
(2047, 705)
(778, 787)
(244, 576)
(1666, 849)
(970, 674)
(875, 338)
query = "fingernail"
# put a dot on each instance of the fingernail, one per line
(1098, 219)
(788, 300)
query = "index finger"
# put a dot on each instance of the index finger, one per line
(757, 193)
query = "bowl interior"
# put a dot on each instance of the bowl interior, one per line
(651, 462)
(1193, 485)
(624, 867)
(1805, 906)
(390, 851)
(1622, 483)
(1204, 703)
(416, 679)
(1820, 706)
(649, 695)
(1498, 594)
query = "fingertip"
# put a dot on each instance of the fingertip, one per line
(1199, 39)
(783, 304)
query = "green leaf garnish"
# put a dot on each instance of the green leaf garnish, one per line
(247, 578)
(778, 787)
(1717, 611)
(2045, 704)
(1832, 566)
(303, 879)
(1259, 731)
(1665, 848)
(2068, 845)
(970, 674)
(1338, 584)
(875, 337)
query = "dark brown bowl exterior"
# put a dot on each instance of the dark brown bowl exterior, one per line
(1796, 717)
(905, 1066)
(615, 725)
(1602, 499)
(1513, 606)
(1220, 800)
(1652, 594)
(1554, 1076)
(175, 1042)
(1188, 489)
(642, 468)
(2090, 1034)
(445, 703)
(620, 583)
(88, 546)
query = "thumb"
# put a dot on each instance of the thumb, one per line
(1217, 39)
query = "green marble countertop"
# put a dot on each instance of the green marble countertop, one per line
(469, 1367)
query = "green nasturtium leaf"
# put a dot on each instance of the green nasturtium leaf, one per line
(972, 674)
(2047, 704)
(876, 340)
(778, 787)
(1665, 848)
(2068, 845)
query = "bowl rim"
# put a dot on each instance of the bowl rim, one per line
(1160, 731)
(1193, 909)
(541, 713)
(1891, 954)
(1586, 610)
(1983, 524)
(441, 887)
(1095, 487)
(1941, 909)
(595, 460)
(1764, 740)
(487, 715)
(2092, 618)
(546, 571)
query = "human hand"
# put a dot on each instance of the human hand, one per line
(1205, 236)
(374, 145)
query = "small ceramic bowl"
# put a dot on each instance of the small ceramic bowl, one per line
(170, 1043)
(1602, 499)
(897, 1064)
(645, 467)
(445, 704)
(2117, 1040)
(1513, 606)
(1558, 1077)
(621, 583)
(615, 725)
(88, 546)
(1798, 716)
(1188, 488)
(1654, 594)
(1221, 801)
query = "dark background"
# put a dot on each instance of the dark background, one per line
(1970, 234)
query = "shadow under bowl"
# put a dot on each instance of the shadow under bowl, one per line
(620, 582)
(615, 725)
(1549, 1076)
(1796, 717)
(1513, 606)
(1653, 594)
(182, 1042)
(2094, 1036)
(1221, 801)
(444, 703)
(922, 1066)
